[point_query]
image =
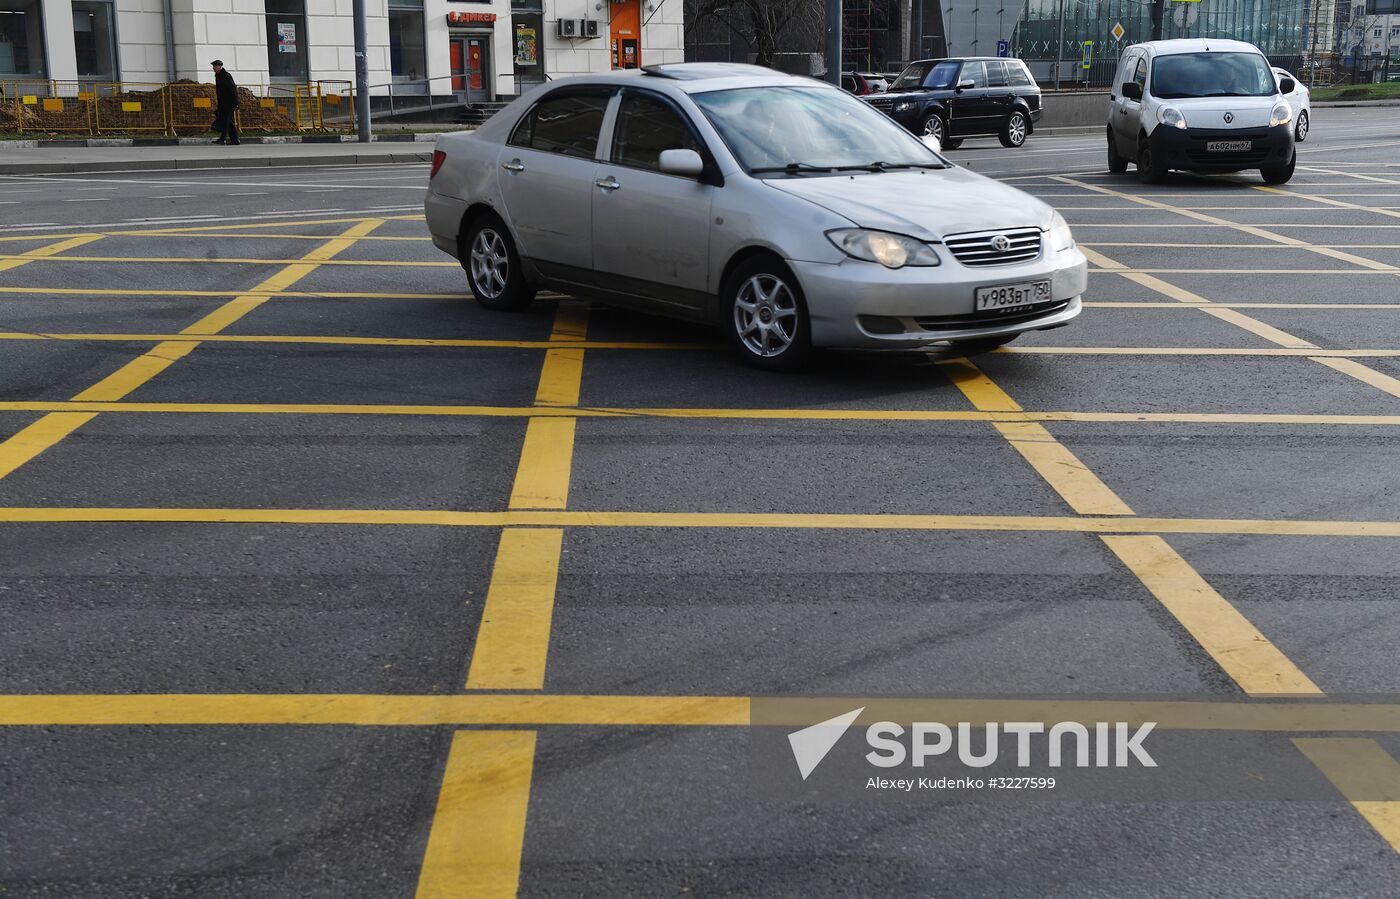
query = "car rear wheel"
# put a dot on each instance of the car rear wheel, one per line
(933, 127)
(1300, 131)
(1013, 132)
(766, 315)
(1149, 170)
(1279, 174)
(493, 266)
(1117, 163)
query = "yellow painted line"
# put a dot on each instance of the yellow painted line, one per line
(1237, 246)
(1157, 225)
(1362, 373)
(1353, 259)
(1258, 328)
(1256, 664)
(1149, 304)
(1180, 294)
(1100, 260)
(321, 294)
(1340, 204)
(546, 462)
(1242, 271)
(1365, 774)
(202, 260)
(20, 448)
(269, 236)
(46, 236)
(727, 520)
(478, 830)
(46, 252)
(137, 372)
(359, 341)
(927, 415)
(513, 640)
(1061, 469)
(1266, 352)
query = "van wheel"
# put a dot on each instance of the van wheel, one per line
(766, 315)
(1279, 174)
(1300, 132)
(1013, 133)
(1149, 170)
(1116, 163)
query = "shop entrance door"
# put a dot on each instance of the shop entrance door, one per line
(470, 58)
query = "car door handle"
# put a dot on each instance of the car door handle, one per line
(608, 183)
(514, 165)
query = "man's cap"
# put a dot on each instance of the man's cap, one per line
(217, 62)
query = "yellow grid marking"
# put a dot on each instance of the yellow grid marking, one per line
(478, 830)
(1258, 328)
(1061, 469)
(1362, 373)
(203, 260)
(1180, 294)
(1247, 418)
(1365, 774)
(546, 462)
(1246, 655)
(37, 437)
(137, 372)
(513, 640)
(46, 252)
(1152, 304)
(551, 344)
(732, 520)
(1341, 204)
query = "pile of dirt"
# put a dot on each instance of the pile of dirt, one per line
(251, 113)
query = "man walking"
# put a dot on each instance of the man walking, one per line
(226, 92)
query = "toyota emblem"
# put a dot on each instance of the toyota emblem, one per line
(1001, 243)
(1229, 117)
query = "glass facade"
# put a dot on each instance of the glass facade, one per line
(1088, 51)
(286, 40)
(21, 39)
(408, 55)
(94, 39)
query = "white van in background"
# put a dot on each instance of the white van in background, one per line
(1201, 106)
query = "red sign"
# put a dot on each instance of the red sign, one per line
(467, 18)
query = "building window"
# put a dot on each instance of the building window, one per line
(407, 41)
(527, 41)
(94, 40)
(21, 38)
(286, 40)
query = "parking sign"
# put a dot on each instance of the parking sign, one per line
(1003, 48)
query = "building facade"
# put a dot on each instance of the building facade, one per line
(479, 51)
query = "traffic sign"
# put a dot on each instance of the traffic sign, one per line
(1088, 54)
(1118, 31)
(1003, 48)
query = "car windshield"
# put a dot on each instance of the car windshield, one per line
(809, 129)
(1183, 75)
(927, 74)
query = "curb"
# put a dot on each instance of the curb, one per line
(1347, 104)
(237, 162)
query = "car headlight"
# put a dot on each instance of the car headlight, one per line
(903, 107)
(1060, 236)
(890, 250)
(1171, 117)
(1281, 115)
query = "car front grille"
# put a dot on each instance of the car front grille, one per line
(884, 104)
(989, 318)
(977, 248)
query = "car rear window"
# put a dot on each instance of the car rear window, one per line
(1017, 74)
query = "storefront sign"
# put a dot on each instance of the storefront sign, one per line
(470, 18)
(526, 52)
(286, 37)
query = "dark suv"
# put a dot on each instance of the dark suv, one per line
(956, 98)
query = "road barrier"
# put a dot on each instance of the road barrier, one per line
(183, 107)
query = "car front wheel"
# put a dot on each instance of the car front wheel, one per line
(493, 266)
(766, 315)
(1013, 133)
(933, 127)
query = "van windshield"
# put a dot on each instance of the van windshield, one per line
(1183, 75)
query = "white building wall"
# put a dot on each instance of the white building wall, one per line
(663, 32)
(230, 30)
(58, 40)
(141, 41)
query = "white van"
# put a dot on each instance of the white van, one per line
(1200, 106)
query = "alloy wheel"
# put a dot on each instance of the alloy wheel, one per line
(765, 315)
(490, 263)
(1016, 128)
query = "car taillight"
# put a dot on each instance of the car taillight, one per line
(439, 158)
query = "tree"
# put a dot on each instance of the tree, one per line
(762, 24)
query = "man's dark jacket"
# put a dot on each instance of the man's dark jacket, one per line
(225, 90)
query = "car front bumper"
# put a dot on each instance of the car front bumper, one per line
(862, 304)
(1186, 148)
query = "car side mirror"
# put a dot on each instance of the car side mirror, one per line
(1286, 85)
(1132, 90)
(931, 142)
(966, 83)
(686, 163)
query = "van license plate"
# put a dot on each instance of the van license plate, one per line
(1009, 296)
(1228, 146)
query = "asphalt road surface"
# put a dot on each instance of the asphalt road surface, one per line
(320, 580)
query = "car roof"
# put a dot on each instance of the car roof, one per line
(967, 59)
(1197, 45)
(698, 77)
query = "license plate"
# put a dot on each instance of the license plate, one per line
(1009, 296)
(1228, 146)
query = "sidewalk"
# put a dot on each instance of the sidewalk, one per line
(50, 159)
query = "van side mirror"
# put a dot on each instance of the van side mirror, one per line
(1286, 85)
(1132, 90)
(686, 163)
(966, 83)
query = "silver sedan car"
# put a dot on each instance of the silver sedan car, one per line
(777, 207)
